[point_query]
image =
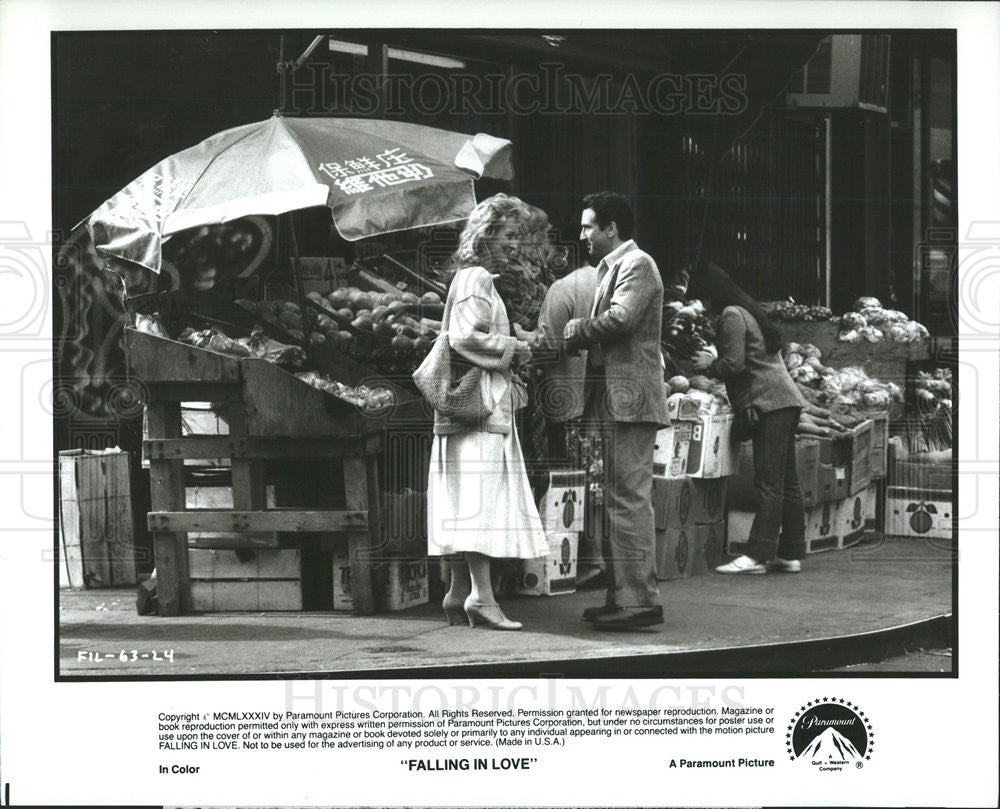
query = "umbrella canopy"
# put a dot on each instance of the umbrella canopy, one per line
(376, 177)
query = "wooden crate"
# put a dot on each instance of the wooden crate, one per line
(224, 580)
(272, 415)
(95, 524)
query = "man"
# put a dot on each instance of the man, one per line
(627, 399)
(561, 391)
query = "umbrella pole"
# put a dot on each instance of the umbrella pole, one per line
(305, 311)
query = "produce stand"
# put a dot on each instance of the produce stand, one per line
(885, 360)
(271, 415)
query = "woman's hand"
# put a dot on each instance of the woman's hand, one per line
(703, 360)
(522, 333)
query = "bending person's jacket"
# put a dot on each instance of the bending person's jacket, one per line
(754, 376)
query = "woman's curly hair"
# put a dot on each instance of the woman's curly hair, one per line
(525, 275)
(484, 221)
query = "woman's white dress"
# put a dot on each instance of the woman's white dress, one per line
(478, 498)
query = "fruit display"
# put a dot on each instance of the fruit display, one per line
(380, 329)
(791, 311)
(369, 399)
(709, 394)
(930, 401)
(846, 392)
(870, 323)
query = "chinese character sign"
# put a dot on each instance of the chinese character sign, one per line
(391, 167)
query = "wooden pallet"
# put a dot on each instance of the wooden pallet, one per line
(272, 415)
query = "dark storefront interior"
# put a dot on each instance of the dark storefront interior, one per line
(817, 203)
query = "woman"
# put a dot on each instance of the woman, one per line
(760, 391)
(480, 505)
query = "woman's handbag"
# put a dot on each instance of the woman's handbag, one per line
(452, 386)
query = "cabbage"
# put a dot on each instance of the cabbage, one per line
(791, 348)
(894, 316)
(808, 350)
(867, 303)
(793, 361)
(870, 334)
(852, 320)
(814, 363)
(805, 375)
(877, 400)
(897, 332)
(851, 336)
(700, 382)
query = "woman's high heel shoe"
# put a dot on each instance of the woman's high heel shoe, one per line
(489, 614)
(454, 609)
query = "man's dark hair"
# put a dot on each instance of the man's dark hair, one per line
(610, 207)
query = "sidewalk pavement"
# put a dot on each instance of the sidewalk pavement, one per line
(850, 606)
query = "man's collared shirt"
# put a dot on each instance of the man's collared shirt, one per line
(603, 270)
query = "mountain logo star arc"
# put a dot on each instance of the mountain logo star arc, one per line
(830, 735)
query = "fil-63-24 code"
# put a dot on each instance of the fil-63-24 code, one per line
(125, 656)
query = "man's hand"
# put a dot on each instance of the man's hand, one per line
(572, 334)
(703, 360)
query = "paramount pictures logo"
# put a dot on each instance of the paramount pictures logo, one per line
(831, 735)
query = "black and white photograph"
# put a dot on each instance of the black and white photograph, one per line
(681, 265)
(496, 391)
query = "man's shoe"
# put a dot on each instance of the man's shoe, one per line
(627, 618)
(592, 613)
(779, 565)
(742, 565)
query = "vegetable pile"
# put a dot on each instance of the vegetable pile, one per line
(791, 311)
(363, 396)
(870, 323)
(687, 329)
(256, 345)
(846, 392)
(930, 400)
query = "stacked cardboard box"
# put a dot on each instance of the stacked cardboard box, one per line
(919, 513)
(400, 583)
(562, 511)
(741, 486)
(855, 515)
(670, 452)
(401, 578)
(712, 454)
(920, 497)
(690, 520)
(823, 529)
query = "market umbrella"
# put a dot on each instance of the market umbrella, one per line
(375, 176)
